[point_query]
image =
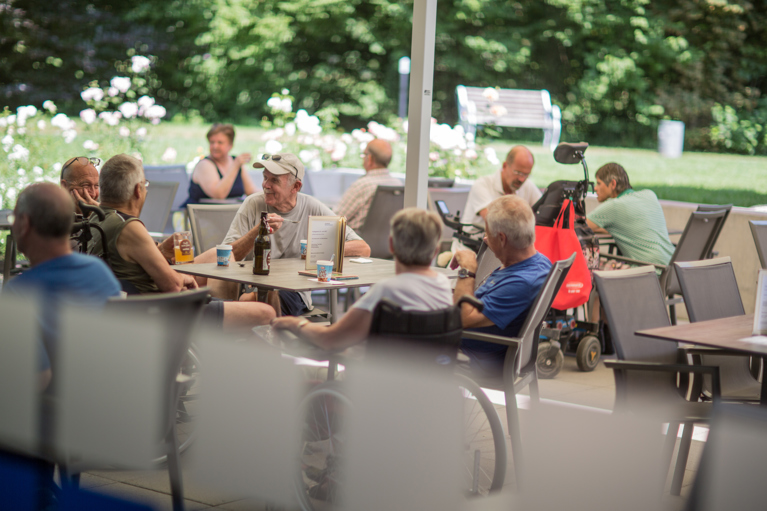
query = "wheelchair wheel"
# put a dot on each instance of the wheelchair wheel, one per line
(589, 350)
(484, 441)
(186, 407)
(548, 365)
(322, 443)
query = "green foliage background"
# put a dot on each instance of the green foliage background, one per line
(615, 67)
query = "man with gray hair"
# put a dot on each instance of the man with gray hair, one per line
(508, 292)
(414, 239)
(136, 259)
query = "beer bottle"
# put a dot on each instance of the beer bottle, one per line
(262, 249)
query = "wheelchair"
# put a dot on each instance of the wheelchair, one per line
(436, 336)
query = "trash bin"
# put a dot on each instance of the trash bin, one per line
(671, 138)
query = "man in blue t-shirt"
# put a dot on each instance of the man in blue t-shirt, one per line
(43, 219)
(508, 292)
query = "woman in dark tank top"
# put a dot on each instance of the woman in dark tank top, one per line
(220, 175)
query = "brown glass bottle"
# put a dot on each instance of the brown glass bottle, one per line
(262, 249)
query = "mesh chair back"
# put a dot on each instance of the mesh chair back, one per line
(487, 263)
(759, 232)
(173, 173)
(435, 334)
(531, 329)
(210, 223)
(711, 292)
(159, 201)
(180, 313)
(709, 288)
(696, 243)
(375, 231)
(716, 207)
(632, 300)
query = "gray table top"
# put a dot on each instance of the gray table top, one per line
(284, 274)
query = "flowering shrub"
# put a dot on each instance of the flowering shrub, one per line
(36, 142)
(319, 144)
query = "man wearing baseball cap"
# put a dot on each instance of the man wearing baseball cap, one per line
(288, 217)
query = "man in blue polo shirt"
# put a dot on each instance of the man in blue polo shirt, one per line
(508, 292)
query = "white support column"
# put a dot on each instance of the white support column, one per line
(419, 111)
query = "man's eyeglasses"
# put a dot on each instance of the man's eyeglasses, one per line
(520, 174)
(277, 157)
(146, 184)
(84, 160)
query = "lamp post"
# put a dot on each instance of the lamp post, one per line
(404, 79)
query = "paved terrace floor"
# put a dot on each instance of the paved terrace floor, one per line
(594, 390)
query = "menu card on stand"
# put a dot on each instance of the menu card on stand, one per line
(325, 241)
(760, 311)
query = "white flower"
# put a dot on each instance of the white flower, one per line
(3, 122)
(90, 145)
(192, 164)
(138, 156)
(445, 137)
(111, 118)
(19, 152)
(124, 131)
(290, 129)
(434, 156)
(129, 110)
(37, 170)
(346, 138)
(169, 154)
(141, 132)
(41, 124)
(498, 110)
(285, 92)
(155, 112)
(382, 132)
(88, 115)
(272, 146)
(50, 106)
(490, 94)
(63, 122)
(139, 64)
(309, 124)
(286, 105)
(121, 83)
(273, 103)
(274, 134)
(315, 164)
(308, 154)
(144, 102)
(92, 94)
(11, 119)
(471, 154)
(112, 91)
(27, 111)
(491, 156)
(69, 135)
(22, 172)
(57, 167)
(22, 131)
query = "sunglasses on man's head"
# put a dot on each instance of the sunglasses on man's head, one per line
(277, 158)
(84, 160)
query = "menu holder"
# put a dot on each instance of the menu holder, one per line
(760, 311)
(325, 241)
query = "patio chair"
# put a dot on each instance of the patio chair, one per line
(375, 231)
(520, 365)
(210, 223)
(759, 232)
(731, 470)
(646, 370)
(177, 313)
(716, 207)
(171, 173)
(696, 243)
(710, 291)
(156, 211)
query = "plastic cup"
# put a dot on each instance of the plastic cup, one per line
(222, 254)
(303, 249)
(324, 271)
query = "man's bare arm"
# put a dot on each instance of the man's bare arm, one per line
(356, 248)
(351, 329)
(242, 246)
(137, 246)
(594, 227)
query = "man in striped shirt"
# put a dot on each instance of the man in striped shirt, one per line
(356, 201)
(633, 218)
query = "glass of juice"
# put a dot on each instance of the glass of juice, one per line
(182, 247)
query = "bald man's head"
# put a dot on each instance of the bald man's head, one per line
(378, 154)
(48, 207)
(80, 174)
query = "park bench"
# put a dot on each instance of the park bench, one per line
(479, 106)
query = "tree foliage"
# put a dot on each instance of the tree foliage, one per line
(615, 67)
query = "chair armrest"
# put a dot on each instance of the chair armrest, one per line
(496, 339)
(637, 262)
(713, 371)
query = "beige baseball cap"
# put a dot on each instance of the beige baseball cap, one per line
(285, 163)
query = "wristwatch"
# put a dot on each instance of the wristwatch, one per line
(463, 273)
